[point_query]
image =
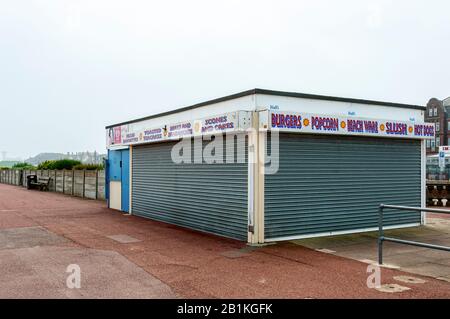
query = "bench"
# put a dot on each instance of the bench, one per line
(42, 183)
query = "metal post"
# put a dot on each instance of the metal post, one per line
(380, 234)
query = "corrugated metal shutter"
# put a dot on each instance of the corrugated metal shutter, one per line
(330, 184)
(205, 197)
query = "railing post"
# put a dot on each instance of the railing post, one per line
(380, 234)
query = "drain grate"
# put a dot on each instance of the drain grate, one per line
(392, 288)
(410, 280)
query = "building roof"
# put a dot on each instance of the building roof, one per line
(446, 102)
(274, 93)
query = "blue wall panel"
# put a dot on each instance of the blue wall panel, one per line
(126, 181)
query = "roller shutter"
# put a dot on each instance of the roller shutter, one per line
(205, 197)
(329, 184)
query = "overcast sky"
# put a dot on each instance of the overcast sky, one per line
(68, 68)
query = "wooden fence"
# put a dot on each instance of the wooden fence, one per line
(80, 183)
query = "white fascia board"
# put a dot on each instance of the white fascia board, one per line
(304, 105)
(118, 147)
(225, 116)
(245, 103)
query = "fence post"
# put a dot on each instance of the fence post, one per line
(84, 183)
(73, 182)
(96, 184)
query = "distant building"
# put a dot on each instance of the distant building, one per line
(438, 112)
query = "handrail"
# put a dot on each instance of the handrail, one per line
(382, 238)
(418, 209)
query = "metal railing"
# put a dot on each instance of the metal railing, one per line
(382, 238)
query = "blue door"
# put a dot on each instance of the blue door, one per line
(125, 180)
(114, 171)
(118, 170)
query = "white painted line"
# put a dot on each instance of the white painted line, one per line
(326, 251)
(367, 261)
(389, 266)
(124, 239)
(447, 279)
(372, 262)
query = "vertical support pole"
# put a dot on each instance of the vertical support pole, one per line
(380, 234)
(261, 167)
(130, 182)
(252, 182)
(256, 181)
(423, 181)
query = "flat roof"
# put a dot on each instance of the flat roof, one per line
(274, 93)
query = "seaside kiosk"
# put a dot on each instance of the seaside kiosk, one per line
(263, 166)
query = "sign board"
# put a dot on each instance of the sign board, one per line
(445, 149)
(442, 160)
(144, 132)
(343, 125)
(139, 133)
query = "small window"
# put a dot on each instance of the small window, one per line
(438, 126)
(430, 111)
(435, 111)
(438, 142)
(432, 144)
(429, 143)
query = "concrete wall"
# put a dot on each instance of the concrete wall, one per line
(86, 184)
(10, 176)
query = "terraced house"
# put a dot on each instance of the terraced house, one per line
(437, 112)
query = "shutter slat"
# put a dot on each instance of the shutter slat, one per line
(329, 184)
(205, 197)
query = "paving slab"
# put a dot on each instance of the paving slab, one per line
(41, 272)
(417, 260)
(28, 237)
(124, 239)
(429, 269)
